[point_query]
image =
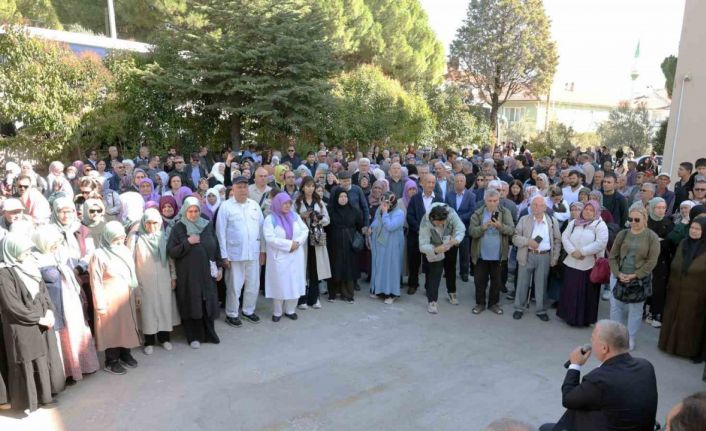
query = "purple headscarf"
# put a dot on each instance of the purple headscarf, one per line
(153, 195)
(284, 219)
(409, 184)
(181, 194)
(596, 208)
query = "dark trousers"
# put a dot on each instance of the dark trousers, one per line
(114, 354)
(312, 289)
(487, 270)
(464, 256)
(201, 330)
(161, 336)
(344, 288)
(450, 269)
(433, 279)
(414, 259)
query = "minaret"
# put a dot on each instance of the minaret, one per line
(634, 73)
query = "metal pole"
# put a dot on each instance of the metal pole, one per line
(685, 78)
(111, 20)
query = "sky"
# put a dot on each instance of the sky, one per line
(596, 39)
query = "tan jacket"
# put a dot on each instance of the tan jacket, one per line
(523, 232)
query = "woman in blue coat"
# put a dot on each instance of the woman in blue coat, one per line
(387, 242)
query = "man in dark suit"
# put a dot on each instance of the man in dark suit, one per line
(418, 206)
(621, 394)
(194, 172)
(463, 201)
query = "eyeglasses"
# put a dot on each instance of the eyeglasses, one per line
(645, 190)
(22, 186)
(700, 190)
(98, 211)
(290, 151)
(634, 220)
(179, 162)
(86, 192)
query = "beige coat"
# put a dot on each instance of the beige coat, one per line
(158, 308)
(114, 303)
(323, 266)
(523, 232)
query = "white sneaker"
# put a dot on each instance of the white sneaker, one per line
(648, 319)
(632, 344)
(656, 323)
(303, 307)
(389, 300)
(374, 296)
(606, 294)
(317, 305)
(148, 350)
(452, 299)
(167, 346)
(432, 309)
(195, 345)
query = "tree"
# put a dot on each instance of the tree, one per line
(669, 69)
(627, 126)
(503, 48)
(558, 139)
(371, 108)
(454, 124)
(660, 137)
(264, 61)
(47, 90)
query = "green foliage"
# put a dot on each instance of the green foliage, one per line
(48, 91)
(669, 69)
(517, 132)
(265, 61)
(627, 126)
(587, 140)
(557, 140)
(660, 138)
(455, 126)
(504, 47)
(371, 109)
(38, 13)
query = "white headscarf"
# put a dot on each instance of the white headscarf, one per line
(216, 172)
(215, 206)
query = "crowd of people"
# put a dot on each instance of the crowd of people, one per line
(108, 255)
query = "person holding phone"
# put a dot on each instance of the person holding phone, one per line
(538, 241)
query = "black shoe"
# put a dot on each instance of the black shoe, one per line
(464, 278)
(356, 287)
(517, 315)
(129, 361)
(411, 290)
(543, 317)
(115, 368)
(276, 318)
(292, 316)
(234, 321)
(252, 318)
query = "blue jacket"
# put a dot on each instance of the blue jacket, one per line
(416, 211)
(467, 207)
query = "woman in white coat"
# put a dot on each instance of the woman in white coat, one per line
(285, 273)
(584, 240)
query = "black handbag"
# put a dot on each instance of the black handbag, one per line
(634, 292)
(357, 241)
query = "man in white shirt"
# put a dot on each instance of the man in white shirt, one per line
(587, 167)
(538, 241)
(571, 191)
(242, 248)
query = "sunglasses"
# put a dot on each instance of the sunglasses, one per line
(22, 186)
(634, 220)
(700, 190)
(98, 211)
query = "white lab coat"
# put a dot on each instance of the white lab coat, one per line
(239, 230)
(285, 273)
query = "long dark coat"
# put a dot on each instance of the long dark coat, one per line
(35, 370)
(684, 321)
(194, 283)
(339, 233)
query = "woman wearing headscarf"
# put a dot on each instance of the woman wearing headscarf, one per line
(63, 219)
(78, 350)
(633, 257)
(313, 212)
(662, 225)
(286, 238)
(181, 194)
(345, 221)
(161, 185)
(156, 279)
(168, 210)
(279, 176)
(585, 239)
(138, 175)
(386, 240)
(34, 367)
(683, 325)
(211, 202)
(132, 207)
(147, 191)
(606, 215)
(115, 301)
(681, 223)
(173, 185)
(88, 237)
(194, 247)
(410, 189)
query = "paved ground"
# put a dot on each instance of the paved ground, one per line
(351, 367)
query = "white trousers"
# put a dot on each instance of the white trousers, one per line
(289, 306)
(246, 272)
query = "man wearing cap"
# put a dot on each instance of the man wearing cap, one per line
(242, 248)
(663, 191)
(11, 212)
(35, 204)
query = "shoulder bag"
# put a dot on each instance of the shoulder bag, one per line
(635, 291)
(357, 241)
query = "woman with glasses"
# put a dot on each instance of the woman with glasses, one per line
(156, 277)
(633, 257)
(88, 237)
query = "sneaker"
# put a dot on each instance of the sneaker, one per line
(303, 307)
(252, 318)
(606, 294)
(496, 309)
(195, 345)
(115, 368)
(543, 317)
(234, 321)
(632, 344)
(656, 323)
(478, 309)
(373, 296)
(411, 290)
(148, 350)
(331, 300)
(432, 308)
(167, 346)
(389, 300)
(129, 361)
(452, 299)
(648, 318)
(350, 301)
(317, 306)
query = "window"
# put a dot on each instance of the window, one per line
(514, 114)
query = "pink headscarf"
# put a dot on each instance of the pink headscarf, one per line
(597, 214)
(284, 219)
